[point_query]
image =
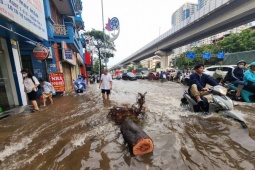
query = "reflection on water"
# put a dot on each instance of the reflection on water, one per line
(76, 134)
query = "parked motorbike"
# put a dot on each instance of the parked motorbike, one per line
(246, 96)
(79, 85)
(216, 101)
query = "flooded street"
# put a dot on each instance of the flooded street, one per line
(75, 133)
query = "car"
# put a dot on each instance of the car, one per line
(225, 68)
(129, 76)
(143, 74)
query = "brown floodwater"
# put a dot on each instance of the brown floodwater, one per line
(75, 134)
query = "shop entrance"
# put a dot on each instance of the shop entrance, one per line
(27, 63)
(68, 76)
(6, 95)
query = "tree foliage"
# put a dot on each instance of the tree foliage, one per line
(130, 68)
(140, 65)
(158, 65)
(244, 41)
(95, 69)
(101, 42)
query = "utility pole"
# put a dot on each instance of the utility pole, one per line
(102, 6)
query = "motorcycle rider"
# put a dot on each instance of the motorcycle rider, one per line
(249, 78)
(186, 76)
(198, 81)
(237, 75)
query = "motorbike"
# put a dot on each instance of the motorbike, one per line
(79, 85)
(92, 80)
(246, 96)
(215, 102)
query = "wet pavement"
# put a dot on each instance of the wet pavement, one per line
(75, 133)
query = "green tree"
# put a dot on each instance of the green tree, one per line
(158, 65)
(130, 68)
(245, 41)
(101, 42)
(95, 69)
(140, 65)
(103, 47)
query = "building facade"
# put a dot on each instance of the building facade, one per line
(183, 13)
(23, 25)
(202, 3)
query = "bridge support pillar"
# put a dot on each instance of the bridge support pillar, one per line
(135, 65)
(165, 59)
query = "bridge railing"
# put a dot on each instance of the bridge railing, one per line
(199, 14)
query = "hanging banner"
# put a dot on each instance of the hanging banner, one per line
(191, 55)
(87, 58)
(221, 55)
(57, 81)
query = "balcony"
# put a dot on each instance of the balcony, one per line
(79, 21)
(78, 5)
(65, 7)
(66, 33)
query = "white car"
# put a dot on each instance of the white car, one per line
(225, 68)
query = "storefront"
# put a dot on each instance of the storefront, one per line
(7, 85)
(17, 29)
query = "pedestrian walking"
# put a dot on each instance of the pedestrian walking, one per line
(31, 85)
(105, 85)
(47, 91)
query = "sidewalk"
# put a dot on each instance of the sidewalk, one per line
(16, 110)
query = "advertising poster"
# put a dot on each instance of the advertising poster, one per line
(57, 81)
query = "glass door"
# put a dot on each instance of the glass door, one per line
(6, 94)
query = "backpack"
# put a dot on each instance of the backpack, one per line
(39, 86)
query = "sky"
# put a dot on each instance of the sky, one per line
(141, 21)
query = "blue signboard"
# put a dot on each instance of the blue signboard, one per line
(206, 55)
(191, 55)
(68, 54)
(221, 55)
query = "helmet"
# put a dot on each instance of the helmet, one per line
(252, 64)
(241, 61)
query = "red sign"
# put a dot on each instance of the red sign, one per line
(40, 53)
(57, 81)
(87, 58)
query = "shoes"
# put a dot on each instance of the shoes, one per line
(35, 110)
(202, 106)
(238, 98)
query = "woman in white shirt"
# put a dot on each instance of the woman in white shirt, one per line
(30, 87)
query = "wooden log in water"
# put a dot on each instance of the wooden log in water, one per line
(138, 141)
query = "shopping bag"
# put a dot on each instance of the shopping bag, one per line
(53, 91)
(41, 98)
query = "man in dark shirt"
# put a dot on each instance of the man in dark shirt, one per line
(198, 81)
